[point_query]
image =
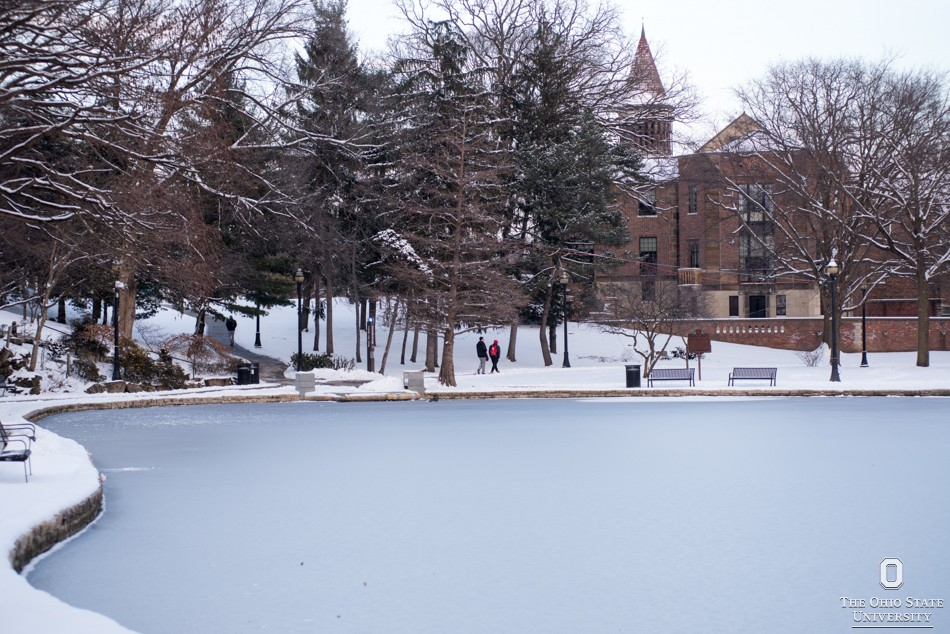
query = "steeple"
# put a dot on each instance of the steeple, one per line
(648, 116)
(643, 73)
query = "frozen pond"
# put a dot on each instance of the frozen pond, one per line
(640, 515)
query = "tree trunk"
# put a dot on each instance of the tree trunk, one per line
(923, 318)
(415, 343)
(359, 357)
(306, 294)
(405, 333)
(200, 323)
(96, 309)
(362, 314)
(389, 338)
(329, 285)
(512, 339)
(371, 336)
(40, 323)
(61, 310)
(447, 371)
(432, 343)
(316, 313)
(127, 301)
(545, 315)
(552, 335)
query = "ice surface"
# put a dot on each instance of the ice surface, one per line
(632, 515)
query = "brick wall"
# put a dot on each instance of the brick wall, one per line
(885, 334)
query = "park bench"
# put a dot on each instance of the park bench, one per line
(752, 374)
(671, 374)
(15, 445)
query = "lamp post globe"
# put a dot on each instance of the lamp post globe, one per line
(565, 278)
(832, 270)
(298, 277)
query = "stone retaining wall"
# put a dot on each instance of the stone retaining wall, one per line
(49, 533)
(666, 392)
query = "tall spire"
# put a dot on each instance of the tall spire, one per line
(644, 72)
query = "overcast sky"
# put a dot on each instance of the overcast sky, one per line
(723, 44)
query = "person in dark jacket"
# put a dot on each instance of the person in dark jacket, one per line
(231, 325)
(494, 353)
(482, 351)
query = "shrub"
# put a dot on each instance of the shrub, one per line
(205, 354)
(324, 361)
(680, 353)
(135, 363)
(171, 376)
(87, 370)
(90, 340)
(812, 358)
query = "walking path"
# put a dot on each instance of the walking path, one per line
(271, 369)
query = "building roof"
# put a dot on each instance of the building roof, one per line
(741, 128)
(644, 72)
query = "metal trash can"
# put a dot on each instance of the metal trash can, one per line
(255, 377)
(633, 375)
(244, 374)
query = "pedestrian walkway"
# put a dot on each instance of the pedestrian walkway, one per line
(271, 369)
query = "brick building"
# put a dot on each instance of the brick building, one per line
(686, 231)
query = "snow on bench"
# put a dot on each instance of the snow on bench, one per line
(752, 374)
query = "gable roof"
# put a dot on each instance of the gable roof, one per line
(742, 127)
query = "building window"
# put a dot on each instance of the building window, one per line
(648, 256)
(693, 199)
(694, 254)
(780, 305)
(733, 305)
(754, 254)
(758, 306)
(647, 206)
(755, 202)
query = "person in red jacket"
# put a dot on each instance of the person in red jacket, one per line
(494, 353)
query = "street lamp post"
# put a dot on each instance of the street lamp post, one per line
(864, 328)
(115, 331)
(833, 274)
(257, 333)
(298, 277)
(564, 280)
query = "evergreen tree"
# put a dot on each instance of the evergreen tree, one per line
(563, 189)
(329, 160)
(444, 244)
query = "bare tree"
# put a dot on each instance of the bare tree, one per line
(650, 321)
(855, 159)
(906, 197)
(804, 153)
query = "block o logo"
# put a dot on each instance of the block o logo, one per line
(892, 573)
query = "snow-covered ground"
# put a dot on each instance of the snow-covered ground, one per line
(63, 475)
(597, 359)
